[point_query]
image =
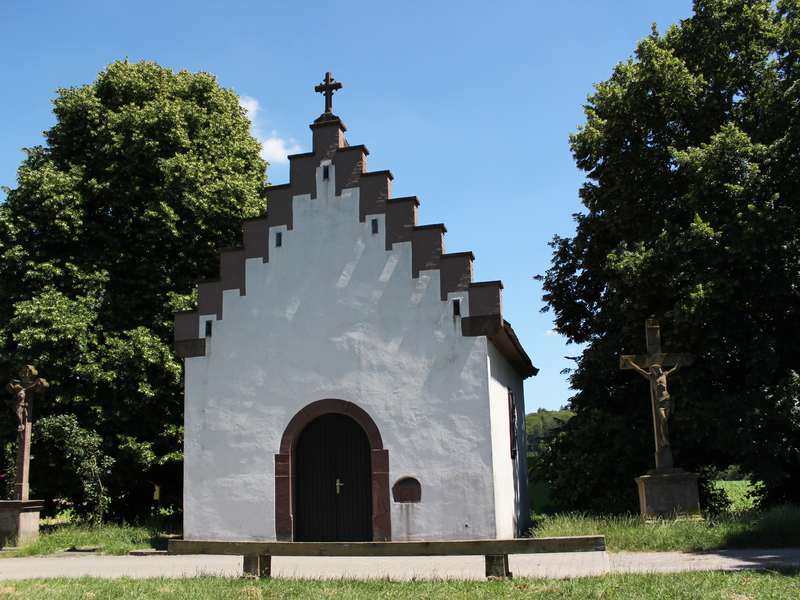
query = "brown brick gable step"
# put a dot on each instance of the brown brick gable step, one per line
(427, 243)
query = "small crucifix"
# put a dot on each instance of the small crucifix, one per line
(651, 366)
(23, 390)
(327, 88)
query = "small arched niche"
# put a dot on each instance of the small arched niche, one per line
(407, 489)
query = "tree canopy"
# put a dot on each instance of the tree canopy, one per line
(145, 174)
(692, 155)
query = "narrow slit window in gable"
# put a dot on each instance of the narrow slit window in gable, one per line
(456, 307)
(326, 173)
(278, 239)
(374, 225)
(208, 328)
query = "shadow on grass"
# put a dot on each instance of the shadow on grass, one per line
(775, 528)
(160, 541)
(785, 571)
(783, 560)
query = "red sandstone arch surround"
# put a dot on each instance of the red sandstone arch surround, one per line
(284, 468)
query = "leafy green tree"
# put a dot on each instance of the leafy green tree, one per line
(692, 155)
(146, 173)
(83, 456)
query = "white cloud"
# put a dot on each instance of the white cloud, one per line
(551, 332)
(252, 107)
(274, 149)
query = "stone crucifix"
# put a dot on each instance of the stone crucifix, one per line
(651, 366)
(23, 390)
(327, 87)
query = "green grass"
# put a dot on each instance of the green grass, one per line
(740, 585)
(775, 528)
(109, 539)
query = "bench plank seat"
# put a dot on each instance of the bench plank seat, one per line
(585, 543)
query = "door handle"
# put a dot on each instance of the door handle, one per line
(338, 485)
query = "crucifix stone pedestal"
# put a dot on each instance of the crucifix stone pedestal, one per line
(19, 518)
(19, 521)
(668, 494)
(665, 489)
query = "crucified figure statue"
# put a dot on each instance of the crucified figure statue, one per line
(658, 383)
(28, 382)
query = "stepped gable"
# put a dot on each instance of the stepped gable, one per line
(427, 242)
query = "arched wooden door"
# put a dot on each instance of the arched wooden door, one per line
(333, 481)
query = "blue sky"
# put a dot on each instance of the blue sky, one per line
(469, 104)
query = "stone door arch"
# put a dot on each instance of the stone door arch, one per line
(285, 482)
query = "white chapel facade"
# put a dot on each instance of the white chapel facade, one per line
(346, 380)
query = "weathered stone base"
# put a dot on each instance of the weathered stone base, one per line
(670, 492)
(19, 521)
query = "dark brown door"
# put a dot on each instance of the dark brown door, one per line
(333, 482)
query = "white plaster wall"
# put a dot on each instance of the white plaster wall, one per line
(512, 503)
(334, 315)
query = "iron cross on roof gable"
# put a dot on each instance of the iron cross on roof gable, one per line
(327, 87)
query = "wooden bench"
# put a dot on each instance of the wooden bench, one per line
(257, 556)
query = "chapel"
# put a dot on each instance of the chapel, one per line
(346, 379)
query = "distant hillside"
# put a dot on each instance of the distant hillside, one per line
(541, 426)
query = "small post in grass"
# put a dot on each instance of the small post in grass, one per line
(497, 566)
(257, 565)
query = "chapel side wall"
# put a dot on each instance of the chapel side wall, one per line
(512, 502)
(334, 314)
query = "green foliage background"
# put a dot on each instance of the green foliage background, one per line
(146, 173)
(692, 153)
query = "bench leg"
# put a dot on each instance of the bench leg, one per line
(257, 565)
(497, 565)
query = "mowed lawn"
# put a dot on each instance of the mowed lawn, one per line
(739, 585)
(738, 528)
